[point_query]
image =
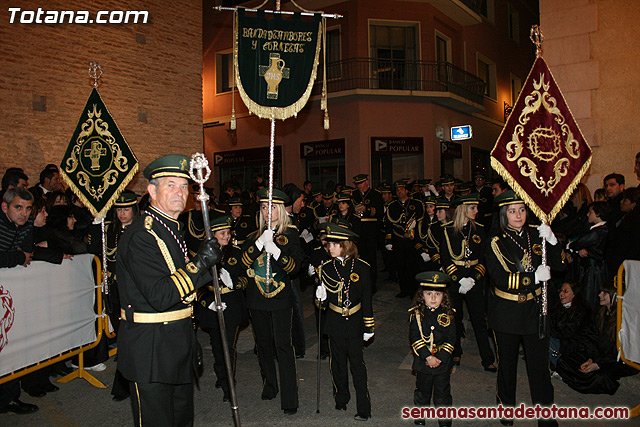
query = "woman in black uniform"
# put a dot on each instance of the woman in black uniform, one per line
(345, 289)
(232, 281)
(462, 249)
(270, 303)
(514, 261)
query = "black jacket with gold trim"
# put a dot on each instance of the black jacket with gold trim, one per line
(422, 234)
(452, 252)
(433, 240)
(236, 311)
(356, 276)
(374, 208)
(278, 295)
(194, 227)
(154, 277)
(242, 227)
(512, 307)
(431, 333)
(402, 222)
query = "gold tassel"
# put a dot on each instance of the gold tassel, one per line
(326, 120)
(232, 125)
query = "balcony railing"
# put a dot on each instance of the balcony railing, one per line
(367, 73)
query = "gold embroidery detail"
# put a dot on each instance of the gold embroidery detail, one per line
(444, 319)
(232, 261)
(476, 238)
(354, 277)
(282, 240)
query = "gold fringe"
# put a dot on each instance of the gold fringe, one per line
(263, 112)
(103, 212)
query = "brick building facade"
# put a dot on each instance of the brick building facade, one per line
(152, 81)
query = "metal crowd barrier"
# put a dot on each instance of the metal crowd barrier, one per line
(621, 287)
(79, 351)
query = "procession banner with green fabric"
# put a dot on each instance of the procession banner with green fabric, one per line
(98, 163)
(275, 62)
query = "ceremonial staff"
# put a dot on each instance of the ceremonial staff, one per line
(198, 164)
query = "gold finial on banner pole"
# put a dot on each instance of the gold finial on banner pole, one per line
(95, 72)
(537, 38)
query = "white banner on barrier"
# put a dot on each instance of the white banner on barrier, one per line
(45, 309)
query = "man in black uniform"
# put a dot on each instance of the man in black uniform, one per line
(448, 188)
(157, 284)
(485, 207)
(370, 207)
(403, 215)
(241, 225)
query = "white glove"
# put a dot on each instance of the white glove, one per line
(306, 235)
(213, 307)
(412, 226)
(265, 237)
(543, 273)
(546, 233)
(425, 257)
(273, 249)
(466, 283)
(322, 219)
(311, 270)
(433, 190)
(366, 336)
(321, 293)
(226, 278)
(388, 247)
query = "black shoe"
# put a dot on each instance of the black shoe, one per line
(359, 417)
(299, 356)
(61, 370)
(218, 384)
(50, 388)
(341, 407)
(491, 368)
(401, 295)
(506, 422)
(268, 397)
(291, 411)
(36, 392)
(18, 407)
(119, 398)
(419, 422)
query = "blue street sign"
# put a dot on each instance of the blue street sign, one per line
(461, 132)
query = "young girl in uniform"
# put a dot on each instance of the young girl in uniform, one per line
(432, 334)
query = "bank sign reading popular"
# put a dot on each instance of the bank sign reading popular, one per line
(409, 145)
(459, 133)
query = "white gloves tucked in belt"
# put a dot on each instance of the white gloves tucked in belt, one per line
(425, 257)
(226, 278)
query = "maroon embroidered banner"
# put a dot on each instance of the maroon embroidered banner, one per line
(541, 152)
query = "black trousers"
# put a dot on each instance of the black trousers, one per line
(9, 392)
(273, 330)
(341, 351)
(536, 353)
(406, 262)
(438, 385)
(297, 328)
(475, 304)
(159, 404)
(232, 324)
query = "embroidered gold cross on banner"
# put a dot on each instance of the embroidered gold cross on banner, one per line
(94, 153)
(273, 74)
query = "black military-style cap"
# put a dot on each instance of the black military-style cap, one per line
(316, 193)
(279, 196)
(401, 183)
(465, 188)
(169, 165)
(336, 233)
(509, 197)
(469, 199)
(435, 280)
(348, 189)
(385, 188)
(341, 222)
(343, 197)
(221, 223)
(234, 201)
(442, 203)
(424, 182)
(327, 195)
(447, 179)
(361, 177)
(126, 198)
(429, 200)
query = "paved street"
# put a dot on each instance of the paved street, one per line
(390, 385)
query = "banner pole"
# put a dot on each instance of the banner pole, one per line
(198, 163)
(281, 12)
